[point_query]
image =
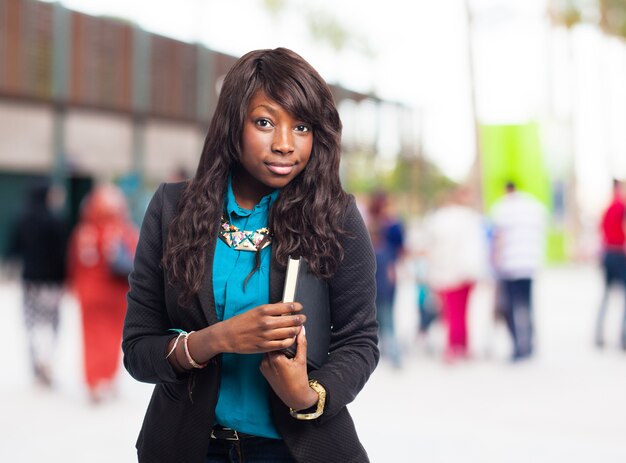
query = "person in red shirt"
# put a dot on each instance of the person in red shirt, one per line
(100, 258)
(613, 229)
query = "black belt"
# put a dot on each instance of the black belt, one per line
(222, 433)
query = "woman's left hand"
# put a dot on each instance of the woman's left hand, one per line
(288, 377)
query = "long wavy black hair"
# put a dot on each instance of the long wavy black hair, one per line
(306, 217)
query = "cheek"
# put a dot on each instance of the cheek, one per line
(252, 145)
(305, 149)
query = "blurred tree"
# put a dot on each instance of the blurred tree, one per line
(323, 26)
(613, 17)
(414, 181)
(326, 28)
(274, 7)
(420, 181)
(476, 172)
(566, 13)
(610, 15)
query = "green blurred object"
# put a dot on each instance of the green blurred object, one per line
(513, 153)
(556, 245)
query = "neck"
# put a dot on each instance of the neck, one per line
(247, 190)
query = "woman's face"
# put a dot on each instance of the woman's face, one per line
(276, 147)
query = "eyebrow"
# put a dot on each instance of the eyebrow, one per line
(266, 107)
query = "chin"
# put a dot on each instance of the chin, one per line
(276, 181)
(279, 182)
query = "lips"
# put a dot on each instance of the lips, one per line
(280, 168)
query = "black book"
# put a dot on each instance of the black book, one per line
(304, 287)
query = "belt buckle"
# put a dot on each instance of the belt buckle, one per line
(235, 436)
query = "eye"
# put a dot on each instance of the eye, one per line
(302, 128)
(263, 123)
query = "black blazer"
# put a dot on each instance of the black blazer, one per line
(181, 412)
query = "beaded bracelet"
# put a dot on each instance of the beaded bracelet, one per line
(191, 361)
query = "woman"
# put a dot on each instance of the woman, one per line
(205, 322)
(101, 250)
(457, 260)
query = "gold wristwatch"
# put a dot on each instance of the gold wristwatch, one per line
(321, 400)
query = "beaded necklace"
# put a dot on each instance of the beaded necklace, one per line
(244, 240)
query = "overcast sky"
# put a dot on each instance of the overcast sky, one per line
(420, 58)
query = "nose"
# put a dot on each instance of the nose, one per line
(283, 142)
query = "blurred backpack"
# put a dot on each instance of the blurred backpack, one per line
(121, 260)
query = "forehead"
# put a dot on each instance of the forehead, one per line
(260, 99)
(289, 103)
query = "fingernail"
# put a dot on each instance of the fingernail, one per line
(303, 330)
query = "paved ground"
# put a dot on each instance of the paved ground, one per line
(566, 405)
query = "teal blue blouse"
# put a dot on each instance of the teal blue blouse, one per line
(243, 401)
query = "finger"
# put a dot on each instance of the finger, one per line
(282, 308)
(301, 346)
(271, 323)
(287, 321)
(282, 334)
(278, 346)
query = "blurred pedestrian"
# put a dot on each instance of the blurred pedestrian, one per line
(428, 304)
(519, 222)
(101, 252)
(426, 301)
(387, 234)
(457, 260)
(613, 230)
(38, 239)
(205, 322)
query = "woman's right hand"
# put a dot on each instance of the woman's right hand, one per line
(262, 329)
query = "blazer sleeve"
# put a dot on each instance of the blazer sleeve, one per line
(354, 337)
(145, 335)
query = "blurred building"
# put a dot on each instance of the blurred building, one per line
(93, 98)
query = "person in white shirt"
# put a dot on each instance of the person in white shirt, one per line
(457, 259)
(519, 222)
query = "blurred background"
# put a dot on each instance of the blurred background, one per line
(436, 98)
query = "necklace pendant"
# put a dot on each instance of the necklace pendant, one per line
(243, 240)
